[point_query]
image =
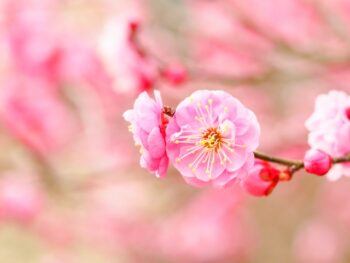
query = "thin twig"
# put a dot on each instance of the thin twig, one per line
(294, 165)
(273, 159)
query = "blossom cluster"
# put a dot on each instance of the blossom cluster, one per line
(211, 137)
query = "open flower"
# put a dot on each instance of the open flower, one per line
(211, 138)
(148, 124)
(329, 128)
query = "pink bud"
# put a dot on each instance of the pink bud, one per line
(133, 28)
(261, 180)
(347, 112)
(317, 162)
(134, 25)
(175, 74)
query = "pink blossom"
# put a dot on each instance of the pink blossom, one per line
(227, 48)
(261, 179)
(175, 74)
(134, 71)
(211, 138)
(21, 200)
(299, 23)
(33, 113)
(329, 127)
(32, 36)
(148, 127)
(317, 162)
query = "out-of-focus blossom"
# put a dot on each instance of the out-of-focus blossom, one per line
(300, 25)
(55, 228)
(125, 60)
(261, 179)
(317, 162)
(329, 126)
(218, 49)
(21, 200)
(32, 36)
(207, 232)
(81, 69)
(33, 113)
(211, 138)
(175, 74)
(148, 123)
(317, 242)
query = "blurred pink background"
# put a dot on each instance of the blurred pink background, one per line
(71, 189)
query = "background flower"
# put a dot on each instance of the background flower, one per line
(329, 128)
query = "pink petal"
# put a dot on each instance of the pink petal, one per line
(163, 167)
(156, 145)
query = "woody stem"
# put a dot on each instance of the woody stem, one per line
(295, 165)
(273, 159)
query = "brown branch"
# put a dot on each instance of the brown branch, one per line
(294, 165)
(274, 159)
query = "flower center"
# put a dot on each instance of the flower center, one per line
(211, 139)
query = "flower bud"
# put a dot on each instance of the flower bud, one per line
(317, 162)
(175, 74)
(347, 112)
(261, 179)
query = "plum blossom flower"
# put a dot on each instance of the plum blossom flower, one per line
(211, 138)
(329, 128)
(148, 124)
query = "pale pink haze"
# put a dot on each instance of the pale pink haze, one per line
(33, 113)
(32, 37)
(210, 228)
(318, 242)
(329, 128)
(56, 228)
(261, 179)
(211, 139)
(148, 127)
(317, 162)
(131, 69)
(20, 199)
(175, 74)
